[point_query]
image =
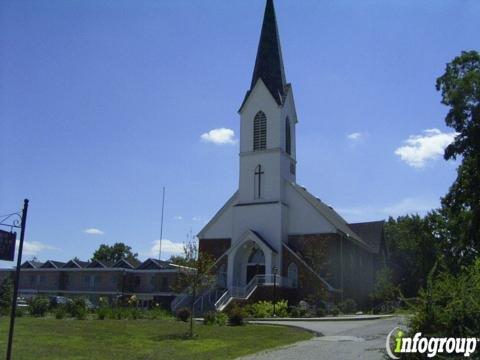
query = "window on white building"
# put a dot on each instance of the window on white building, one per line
(260, 131)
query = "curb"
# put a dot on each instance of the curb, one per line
(332, 318)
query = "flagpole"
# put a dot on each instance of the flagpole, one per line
(161, 227)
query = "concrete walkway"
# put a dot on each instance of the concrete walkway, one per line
(342, 340)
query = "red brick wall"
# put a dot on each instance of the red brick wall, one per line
(214, 247)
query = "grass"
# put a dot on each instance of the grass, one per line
(48, 338)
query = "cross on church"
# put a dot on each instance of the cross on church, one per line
(258, 173)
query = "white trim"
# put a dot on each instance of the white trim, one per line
(219, 213)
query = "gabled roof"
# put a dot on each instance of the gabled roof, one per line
(125, 264)
(219, 213)
(371, 232)
(97, 264)
(153, 264)
(31, 264)
(52, 264)
(331, 216)
(75, 264)
(269, 62)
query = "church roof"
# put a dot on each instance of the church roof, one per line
(332, 216)
(370, 232)
(269, 62)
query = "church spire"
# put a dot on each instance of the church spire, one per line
(269, 63)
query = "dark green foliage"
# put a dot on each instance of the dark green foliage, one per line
(114, 253)
(349, 306)
(183, 314)
(449, 306)
(320, 312)
(19, 312)
(235, 317)
(39, 306)
(460, 89)
(60, 312)
(77, 308)
(215, 318)
(384, 291)
(335, 311)
(6, 295)
(264, 309)
(413, 249)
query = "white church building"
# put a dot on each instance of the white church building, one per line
(272, 230)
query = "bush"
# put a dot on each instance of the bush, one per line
(39, 306)
(77, 308)
(235, 318)
(103, 313)
(449, 305)
(320, 312)
(349, 306)
(183, 314)
(335, 311)
(215, 318)
(60, 313)
(20, 312)
(158, 313)
(6, 295)
(264, 309)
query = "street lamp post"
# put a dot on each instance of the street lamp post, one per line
(275, 271)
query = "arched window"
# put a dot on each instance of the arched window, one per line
(256, 257)
(293, 274)
(260, 131)
(288, 137)
(258, 182)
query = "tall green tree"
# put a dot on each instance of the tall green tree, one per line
(460, 89)
(413, 249)
(114, 253)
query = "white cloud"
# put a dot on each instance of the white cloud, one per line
(355, 136)
(33, 248)
(419, 149)
(197, 218)
(221, 136)
(178, 217)
(168, 248)
(93, 231)
(403, 207)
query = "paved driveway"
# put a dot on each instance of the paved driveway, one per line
(343, 340)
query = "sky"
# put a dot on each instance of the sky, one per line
(102, 103)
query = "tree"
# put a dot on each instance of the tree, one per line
(460, 89)
(114, 253)
(195, 274)
(413, 246)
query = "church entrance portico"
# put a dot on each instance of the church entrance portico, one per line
(251, 257)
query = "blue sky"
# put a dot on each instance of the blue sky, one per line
(104, 102)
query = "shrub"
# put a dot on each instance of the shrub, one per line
(235, 318)
(349, 306)
(209, 318)
(264, 309)
(39, 306)
(60, 313)
(320, 312)
(183, 314)
(158, 313)
(215, 318)
(102, 313)
(449, 306)
(6, 295)
(19, 312)
(77, 308)
(335, 311)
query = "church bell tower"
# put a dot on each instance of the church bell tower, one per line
(268, 119)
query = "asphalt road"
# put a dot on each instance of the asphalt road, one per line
(342, 340)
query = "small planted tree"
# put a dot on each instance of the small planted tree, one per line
(195, 274)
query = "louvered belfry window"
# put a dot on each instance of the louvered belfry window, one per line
(260, 131)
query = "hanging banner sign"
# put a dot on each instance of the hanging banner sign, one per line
(7, 245)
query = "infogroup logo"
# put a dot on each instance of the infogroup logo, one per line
(397, 343)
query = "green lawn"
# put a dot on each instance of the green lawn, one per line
(48, 338)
